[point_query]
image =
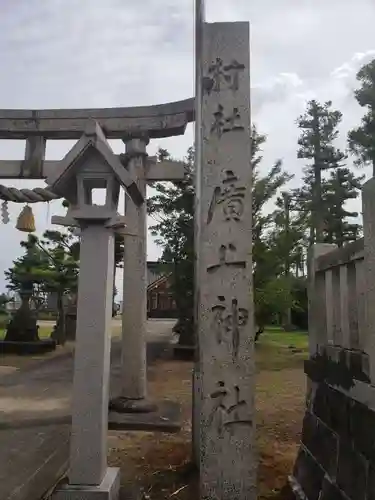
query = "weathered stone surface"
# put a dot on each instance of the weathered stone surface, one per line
(92, 357)
(108, 489)
(331, 492)
(308, 474)
(162, 120)
(352, 472)
(321, 442)
(224, 269)
(316, 297)
(355, 360)
(368, 207)
(333, 408)
(134, 311)
(362, 423)
(91, 164)
(371, 482)
(35, 151)
(165, 418)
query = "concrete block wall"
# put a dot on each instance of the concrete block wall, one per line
(336, 459)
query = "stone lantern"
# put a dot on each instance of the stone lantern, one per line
(89, 165)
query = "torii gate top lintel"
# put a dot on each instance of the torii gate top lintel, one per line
(156, 121)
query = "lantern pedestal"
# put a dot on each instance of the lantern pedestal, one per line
(89, 476)
(109, 489)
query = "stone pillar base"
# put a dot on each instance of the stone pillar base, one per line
(122, 404)
(109, 489)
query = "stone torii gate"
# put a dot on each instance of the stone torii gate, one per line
(135, 126)
(223, 394)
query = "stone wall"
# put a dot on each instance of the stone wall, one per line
(336, 460)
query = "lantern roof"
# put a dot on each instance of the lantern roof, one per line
(93, 138)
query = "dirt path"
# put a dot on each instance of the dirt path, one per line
(158, 462)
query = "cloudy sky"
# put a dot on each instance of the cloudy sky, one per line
(102, 53)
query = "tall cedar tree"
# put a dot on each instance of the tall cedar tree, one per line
(173, 209)
(362, 139)
(269, 292)
(287, 239)
(341, 186)
(318, 127)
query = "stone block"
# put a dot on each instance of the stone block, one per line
(109, 489)
(165, 418)
(321, 442)
(371, 483)
(310, 394)
(333, 408)
(308, 474)
(366, 364)
(333, 352)
(362, 426)
(331, 492)
(320, 403)
(352, 472)
(355, 365)
(339, 409)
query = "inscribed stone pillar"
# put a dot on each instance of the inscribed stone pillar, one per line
(197, 395)
(368, 208)
(88, 457)
(225, 309)
(134, 312)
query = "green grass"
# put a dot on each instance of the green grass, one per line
(274, 349)
(44, 332)
(277, 336)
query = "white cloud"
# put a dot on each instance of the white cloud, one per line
(350, 68)
(90, 53)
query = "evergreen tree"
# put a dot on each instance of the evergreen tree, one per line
(341, 186)
(173, 209)
(271, 295)
(48, 265)
(362, 139)
(316, 144)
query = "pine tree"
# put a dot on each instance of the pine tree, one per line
(48, 265)
(316, 144)
(270, 293)
(362, 139)
(341, 186)
(173, 209)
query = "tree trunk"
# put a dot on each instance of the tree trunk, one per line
(318, 209)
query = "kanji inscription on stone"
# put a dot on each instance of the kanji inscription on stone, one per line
(229, 408)
(227, 321)
(224, 369)
(230, 196)
(223, 76)
(226, 122)
(226, 253)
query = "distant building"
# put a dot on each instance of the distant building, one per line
(160, 301)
